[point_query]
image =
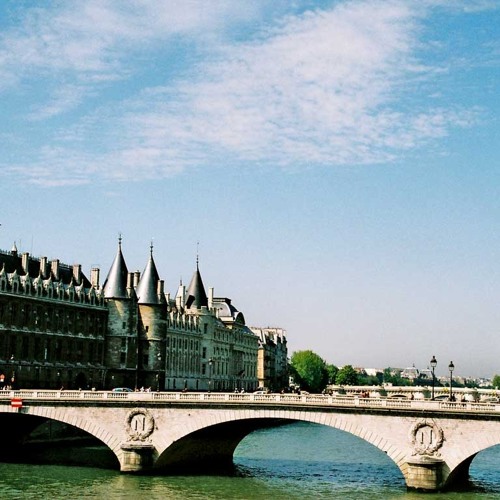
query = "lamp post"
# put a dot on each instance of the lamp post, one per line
(158, 356)
(13, 371)
(433, 366)
(451, 367)
(210, 363)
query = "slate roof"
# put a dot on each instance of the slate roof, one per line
(147, 289)
(11, 262)
(115, 286)
(196, 296)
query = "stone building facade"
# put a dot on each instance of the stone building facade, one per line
(272, 358)
(52, 323)
(60, 329)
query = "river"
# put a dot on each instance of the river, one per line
(297, 461)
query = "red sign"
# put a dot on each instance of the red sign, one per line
(16, 403)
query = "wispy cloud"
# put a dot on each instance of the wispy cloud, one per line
(328, 86)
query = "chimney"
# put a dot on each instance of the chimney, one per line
(77, 273)
(161, 288)
(130, 280)
(137, 277)
(94, 277)
(54, 267)
(43, 266)
(210, 297)
(25, 260)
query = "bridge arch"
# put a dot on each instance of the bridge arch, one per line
(25, 423)
(459, 466)
(205, 442)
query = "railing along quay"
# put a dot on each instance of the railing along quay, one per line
(80, 397)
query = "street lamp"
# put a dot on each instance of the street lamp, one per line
(158, 356)
(210, 363)
(13, 371)
(451, 367)
(433, 366)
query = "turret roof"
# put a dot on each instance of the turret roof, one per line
(115, 285)
(147, 289)
(196, 296)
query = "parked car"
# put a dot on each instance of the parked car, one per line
(122, 389)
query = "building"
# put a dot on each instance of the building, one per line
(60, 329)
(53, 323)
(272, 363)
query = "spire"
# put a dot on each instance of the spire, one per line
(115, 285)
(147, 289)
(196, 296)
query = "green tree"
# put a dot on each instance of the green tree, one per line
(309, 370)
(332, 373)
(496, 382)
(368, 380)
(347, 375)
(393, 376)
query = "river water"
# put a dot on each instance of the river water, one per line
(297, 461)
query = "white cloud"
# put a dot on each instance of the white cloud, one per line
(96, 38)
(63, 99)
(326, 87)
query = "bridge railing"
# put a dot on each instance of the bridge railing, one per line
(83, 397)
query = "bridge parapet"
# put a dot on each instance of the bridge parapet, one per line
(230, 398)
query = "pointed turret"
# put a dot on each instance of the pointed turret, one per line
(196, 297)
(115, 285)
(147, 289)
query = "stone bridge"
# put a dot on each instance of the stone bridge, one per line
(432, 442)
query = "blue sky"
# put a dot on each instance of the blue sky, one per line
(338, 162)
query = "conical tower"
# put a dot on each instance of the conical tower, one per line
(196, 297)
(115, 286)
(121, 346)
(152, 326)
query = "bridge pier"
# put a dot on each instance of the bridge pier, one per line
(137, 457)
(425, 473)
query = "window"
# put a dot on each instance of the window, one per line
(59, 350)
(25, 347)
(79, 351)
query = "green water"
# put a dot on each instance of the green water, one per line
(298, 461)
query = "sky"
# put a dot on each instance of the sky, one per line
(335, 165)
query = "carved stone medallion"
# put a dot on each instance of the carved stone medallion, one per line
(140, 424)
(426, 438)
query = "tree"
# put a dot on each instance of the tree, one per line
(496, 382)
(393, 376)
(347, 375)
(309, 370)
(332, 373)
(365, 379)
